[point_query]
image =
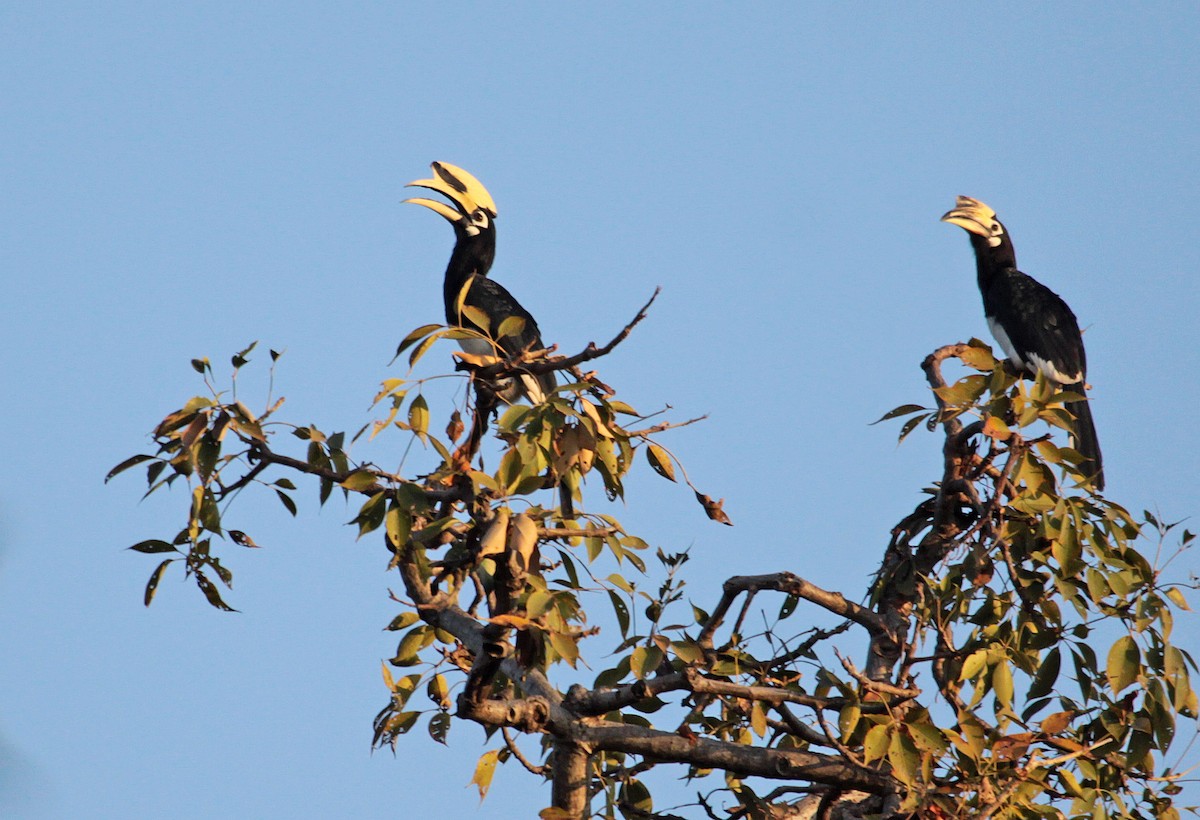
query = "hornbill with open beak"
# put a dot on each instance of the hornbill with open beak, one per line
(475, 302)
(470, 296)
(1034, 326)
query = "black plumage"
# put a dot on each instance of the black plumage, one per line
(1035, 327)
(474, 301)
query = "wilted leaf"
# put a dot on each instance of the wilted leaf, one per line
(1011, 747)
(713, 509)
(454, 428)
(1057, 723)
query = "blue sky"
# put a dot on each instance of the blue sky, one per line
(180, 181)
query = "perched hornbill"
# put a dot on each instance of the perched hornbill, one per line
(1032, 323)
(473, 300)
(469, 292)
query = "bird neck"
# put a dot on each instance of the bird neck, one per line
(990, 261)
(470, 258)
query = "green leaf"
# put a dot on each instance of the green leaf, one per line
(903, 755)
(1046, 676)
(153, 545)
(1002, 684)
(411, 338)
(418, 416)
(132, 461)
(211, 593)
(875, 744)
(902, 410)
(1124, 664)
(399, 524)
(287, 501)
(402, 621)
(420, 350)
(439, 727)
(621, 611)
(644, 661)
(636, 796)
(359, 480)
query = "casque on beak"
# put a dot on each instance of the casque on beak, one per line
(972, 216)
(465, 191)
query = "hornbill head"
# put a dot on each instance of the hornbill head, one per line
(980, 221)
(474, 212)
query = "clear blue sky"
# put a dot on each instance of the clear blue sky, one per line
(177, 182)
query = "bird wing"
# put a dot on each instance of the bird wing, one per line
(1039, 326)
(495, 302)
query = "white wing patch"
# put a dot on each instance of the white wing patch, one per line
(1054, 373)
(1035, 362)
(1005, 343)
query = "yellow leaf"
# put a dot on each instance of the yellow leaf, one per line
(660, 460)
(523, 540)
(475, 359)
(758, 719)
(512, 326)
(492, 542)
(997, 429)
(514, 621)
(477, 317)
(484, 770)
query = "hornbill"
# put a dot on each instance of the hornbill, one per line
(1034, 326)
(475, 302)
(467, 290)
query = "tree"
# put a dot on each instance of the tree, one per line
(981, 691)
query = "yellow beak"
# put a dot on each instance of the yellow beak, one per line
(457, 185)
(971, 215)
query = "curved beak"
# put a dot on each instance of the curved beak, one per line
(461, 188)
(971, 215)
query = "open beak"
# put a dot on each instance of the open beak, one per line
(971, 215)
(465, 191)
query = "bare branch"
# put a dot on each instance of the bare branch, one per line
(792, 584)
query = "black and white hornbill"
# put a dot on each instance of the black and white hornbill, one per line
(475, 302)
(471, 297)
(1034, 326)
